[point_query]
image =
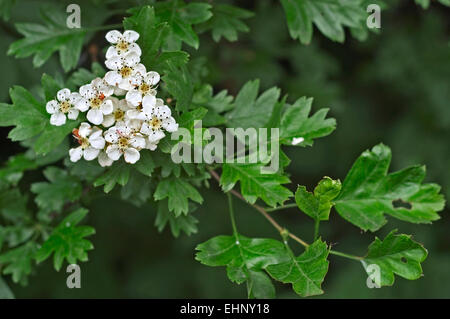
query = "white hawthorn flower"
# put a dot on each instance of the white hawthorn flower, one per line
(123, 141)
(143, 85)
(123, 70)
(91, 143)
(122, 43)
(118, 114)
(156, 117)
(63, 105)
(95, 97)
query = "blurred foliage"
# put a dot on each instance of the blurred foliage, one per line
(392, 88)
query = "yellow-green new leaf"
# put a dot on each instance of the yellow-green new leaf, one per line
(317, 205)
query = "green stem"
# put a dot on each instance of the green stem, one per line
(316, 228)
(281, 207)
(338, 253)
(233, 221)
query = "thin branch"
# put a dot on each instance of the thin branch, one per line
(273, 209)
(278, 226)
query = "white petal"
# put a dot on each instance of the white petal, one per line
(75, 154)
(95, 116)
(74, 98)
(114, 63)
(139, 69)
(113, 78)
(108, 120)
(113, 36)
(134, 97)
(152, 78)
(90, 153)
(52, 106)
(131, 59)
(130, 36)
(124, 105)
(63, 95)
(131, 155)
(119, 92)
(151, 146)
(58, 119)
(73, 114)
(148, 104)
(85, 129)
(155, 136)
(170, 125)
(146, 129)
(136, 79)
(111, 135)
(134, 124)
(138, 142)
(125, 85)
(87, 91)
(104, 160)
(97, 142)
(111, 52)
(134, 114)
(159, 102)
(82, 104)
(113, 152)
(136, 48)
(106, 107)
(163, 112)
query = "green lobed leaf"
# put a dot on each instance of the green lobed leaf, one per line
(245, 260)
(61, 189)
(178, 83)
(226, 22)
(397, 255)
(118, 173)
(42, 40)
(185, 223)
(18, 262)
(298, 128)
(31, 119)
(305, 272)
(181, 17)
(329, 16)
(5, 291)
(369, 192)
(254, 184)
(178, 191)
(152, 34)
(67, 241)
(249, 110)
(317, 205)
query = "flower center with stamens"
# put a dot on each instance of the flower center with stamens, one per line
(123, 142)
(125, 71)
(144, 88)
(84, 142)
(119, 115)
(96, 102)
(122, 45)
(64, 106)
(155, 123)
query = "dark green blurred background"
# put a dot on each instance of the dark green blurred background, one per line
(393, 88)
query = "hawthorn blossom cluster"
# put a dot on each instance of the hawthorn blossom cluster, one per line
(123, 113)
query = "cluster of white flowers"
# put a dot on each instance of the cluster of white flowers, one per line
(124, 113)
